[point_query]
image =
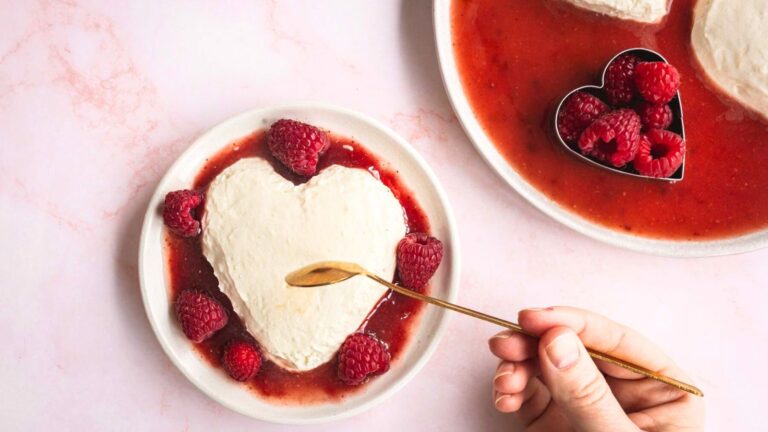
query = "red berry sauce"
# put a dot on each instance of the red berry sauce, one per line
(514, 90)
(390, 321)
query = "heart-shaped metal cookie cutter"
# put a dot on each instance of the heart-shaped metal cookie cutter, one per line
(676, 105)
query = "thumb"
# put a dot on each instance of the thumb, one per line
(577, 386)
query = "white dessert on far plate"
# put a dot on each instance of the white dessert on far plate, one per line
(645, 11)
(258, 227)
(730, 40)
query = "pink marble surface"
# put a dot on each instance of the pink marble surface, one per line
(97, 98)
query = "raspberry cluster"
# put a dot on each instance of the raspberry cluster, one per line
(630, 130)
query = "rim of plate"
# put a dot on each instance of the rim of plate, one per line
(441, 14)
(426, 334)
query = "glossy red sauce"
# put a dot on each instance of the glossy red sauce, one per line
(518, 58)
(390, 321)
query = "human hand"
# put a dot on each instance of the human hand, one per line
(553, 385)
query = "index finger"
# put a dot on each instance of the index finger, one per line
(602, 334)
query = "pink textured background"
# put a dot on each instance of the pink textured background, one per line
(97, 98)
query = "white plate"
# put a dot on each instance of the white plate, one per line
(483, 143)
(393, 151)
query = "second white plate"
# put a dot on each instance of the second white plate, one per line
(484, 145)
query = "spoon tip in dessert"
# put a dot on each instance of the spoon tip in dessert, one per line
(322, 273)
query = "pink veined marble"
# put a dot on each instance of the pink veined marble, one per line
(98, 98)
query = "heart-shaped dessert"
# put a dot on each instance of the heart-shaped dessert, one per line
(258, 227)
(611, 138)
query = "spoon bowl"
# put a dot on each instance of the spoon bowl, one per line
(323, 273)
(676, 105)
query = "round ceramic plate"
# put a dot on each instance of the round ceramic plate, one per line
(393, 152)
(483, 143)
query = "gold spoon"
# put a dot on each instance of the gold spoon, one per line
(331, 272)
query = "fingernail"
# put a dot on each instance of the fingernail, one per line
(563, 351)
(501, 374)
(499, 399)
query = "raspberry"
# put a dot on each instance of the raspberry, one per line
(178, 212)
(297, 145)
(199, 314)
(613, 138)
(657, 82)
(418, 256)
(361, 355)
(661, 153)
(619, 80)
(654, 116)
(241, 359)
(578, 112)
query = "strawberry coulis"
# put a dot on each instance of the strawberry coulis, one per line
(514, 90)
(391, 320)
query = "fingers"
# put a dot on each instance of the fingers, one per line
(513, 347)
(602, 334)
(514, 372)
(528, 405)
(507, 403)
(512, 377)
(576, 385)
(509, 384)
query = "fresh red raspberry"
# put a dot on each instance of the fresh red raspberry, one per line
(619, 80)
(654, 116)
(361, 355)
(178, 212)
(199, 314)
(297, 145)
(612, 138)
(657, 82)
(418, 256)
(578, 112)
(661, 153)
(241, 359)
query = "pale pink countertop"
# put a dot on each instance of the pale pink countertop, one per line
(97, 99)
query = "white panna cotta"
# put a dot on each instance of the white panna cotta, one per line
(258, 227)
(645, 11)
(730, 39)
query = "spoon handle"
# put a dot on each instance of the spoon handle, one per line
(516, 328)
